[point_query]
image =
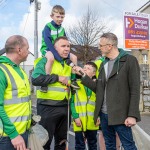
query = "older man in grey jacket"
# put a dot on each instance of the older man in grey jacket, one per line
(118, 93)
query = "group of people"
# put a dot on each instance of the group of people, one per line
(105, 95)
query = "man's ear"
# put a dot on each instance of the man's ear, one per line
(18, 50)
(55, 46)
(51, 16)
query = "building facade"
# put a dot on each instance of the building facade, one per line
(143, 57)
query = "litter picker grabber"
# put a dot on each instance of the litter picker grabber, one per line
(85, 139)
(1, 128)
(68, 125)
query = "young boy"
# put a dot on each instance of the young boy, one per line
(82, 108)
(52, 31)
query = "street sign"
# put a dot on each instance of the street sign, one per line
(136, 30)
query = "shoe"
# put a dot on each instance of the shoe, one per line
(74, 85)
(44, 89)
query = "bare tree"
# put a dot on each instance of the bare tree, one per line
(3, 3)
(87, 31)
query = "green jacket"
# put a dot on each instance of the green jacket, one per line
(9, 128)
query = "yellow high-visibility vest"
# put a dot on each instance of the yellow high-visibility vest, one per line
(98, 63)
(90, 112)
(57, 91)
(85, 107)
(17, 102)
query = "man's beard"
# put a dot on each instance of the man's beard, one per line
(105, 54)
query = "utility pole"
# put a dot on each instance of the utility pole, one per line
(37, 7)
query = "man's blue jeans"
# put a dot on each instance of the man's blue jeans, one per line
(109, 132)
(5, 142)
(91, 136)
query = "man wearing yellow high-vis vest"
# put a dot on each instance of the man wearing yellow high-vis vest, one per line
(53, 105)
(82, 108)
(15, 102)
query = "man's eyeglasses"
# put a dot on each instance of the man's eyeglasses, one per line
(100, 46)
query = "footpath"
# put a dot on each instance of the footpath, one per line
(143, 124)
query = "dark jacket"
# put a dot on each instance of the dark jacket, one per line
(122, 90)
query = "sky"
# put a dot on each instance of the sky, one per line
(17, 16)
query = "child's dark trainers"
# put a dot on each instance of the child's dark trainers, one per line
(74, 85)
(44, 89)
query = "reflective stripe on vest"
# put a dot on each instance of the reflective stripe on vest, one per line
(11, 105)
(56, 32)
(56, 89)
(80, 103)
(82, 114)
(16, 100)
(91, 102)
(20, 118)
(89, 113)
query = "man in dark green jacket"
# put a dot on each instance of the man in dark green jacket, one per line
(117, 93)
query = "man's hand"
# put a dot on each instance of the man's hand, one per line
(78, 70)
(18, 143)
(78, 122)
(63, 80)
(130, 121)
(98, 121)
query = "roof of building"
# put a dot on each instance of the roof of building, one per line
(144, 7)
(91, 54)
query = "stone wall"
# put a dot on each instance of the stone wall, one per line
(145, 96)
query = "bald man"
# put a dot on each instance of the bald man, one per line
(15, 103)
